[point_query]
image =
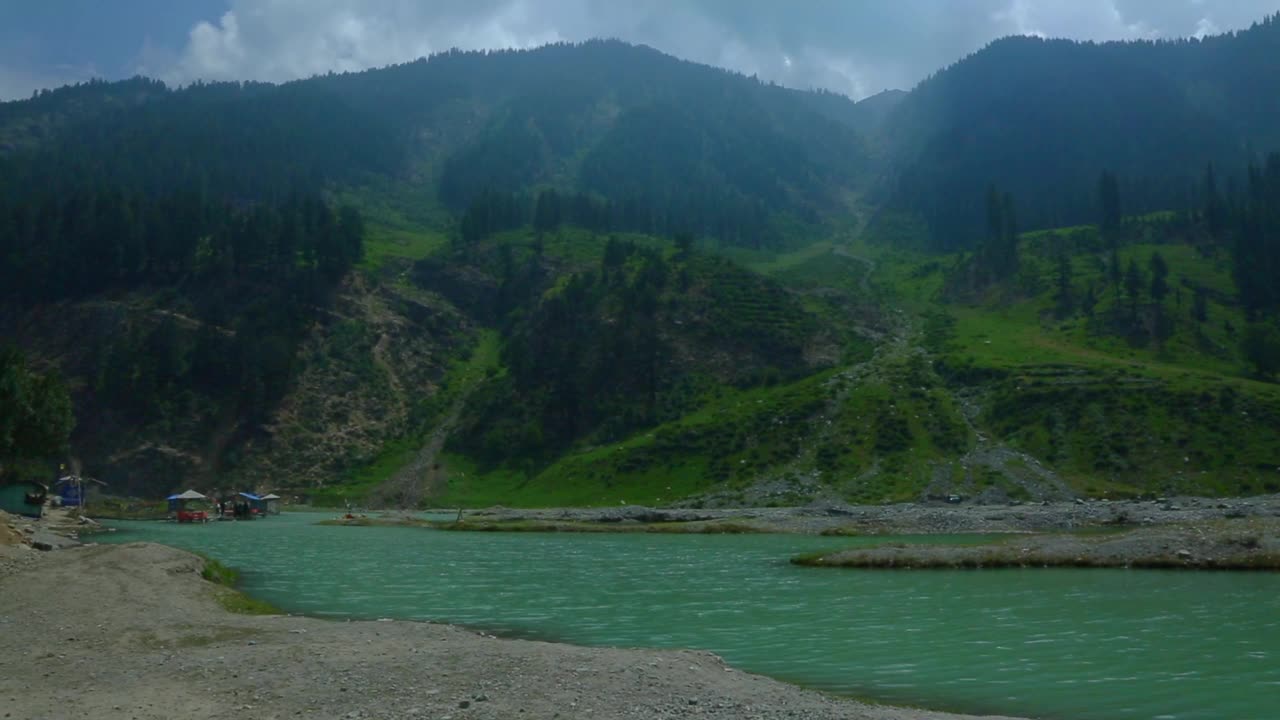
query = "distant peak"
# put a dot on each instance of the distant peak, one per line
(884, 96)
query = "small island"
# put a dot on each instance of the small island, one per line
(1239, 544)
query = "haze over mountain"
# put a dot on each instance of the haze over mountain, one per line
(857, 49)
(592, 271)
(1046, 116)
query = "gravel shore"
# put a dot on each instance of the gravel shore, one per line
(133, 631)
(901, 519)
(1237, 544)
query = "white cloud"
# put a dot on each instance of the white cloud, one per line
(286, 39)
(1205, 27)
(216, 50)
(853, 47)
(1084, 19)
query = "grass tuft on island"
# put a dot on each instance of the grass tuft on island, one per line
(1223, 545)
(227, 595)
(674, 528)
(714, 527)
(366, 521)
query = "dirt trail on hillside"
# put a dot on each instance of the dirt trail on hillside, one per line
(132, 631)
(865, 283)
(1026, 471)
(423, 477)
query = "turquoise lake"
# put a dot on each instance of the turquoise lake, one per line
(1058, 644)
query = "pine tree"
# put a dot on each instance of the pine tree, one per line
(1064, 297)
(1159, 278)
(989, 251)
(1089, 301)
(1009, 237)
(1215, 214)
(1159, 288)
(997, 258)
(1200, 305)
(1261, 346)
(35, 411)
(1109, 202)
(1133, 283)
(546, 215)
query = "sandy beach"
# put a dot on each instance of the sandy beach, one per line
(133, 631)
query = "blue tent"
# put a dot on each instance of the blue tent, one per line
(73, 488)
(71, 495)
(256, 502)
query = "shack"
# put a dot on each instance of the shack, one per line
(271, 504)
(24, 497)
(244, 506)
(257, 505)
(188, 507)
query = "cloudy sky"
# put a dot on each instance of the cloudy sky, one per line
(856, 47)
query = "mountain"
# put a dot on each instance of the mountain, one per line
(697, 148)
(1046, 117)
(204, 250)
(867, 116)
(594, 273)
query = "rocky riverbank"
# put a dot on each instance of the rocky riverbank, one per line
(842, 519)
(133, 631)
(1236, 544)
(21, 538)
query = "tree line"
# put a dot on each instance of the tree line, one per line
(241, 285)
(75, 242)
(1137, 108)
(35, 413)
(549, 209)
(1241, 220)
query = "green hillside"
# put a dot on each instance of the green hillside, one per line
(1002, 395)
(1117, 394)
(593, 274)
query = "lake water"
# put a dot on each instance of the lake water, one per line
(1089, 644)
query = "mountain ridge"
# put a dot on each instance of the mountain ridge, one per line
(593, 272)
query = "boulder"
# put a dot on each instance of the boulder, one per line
(43, 540)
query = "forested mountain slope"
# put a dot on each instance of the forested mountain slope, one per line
(693, 148)
(701, 150)
(191, 259)
(1046, 117)
(594, 273)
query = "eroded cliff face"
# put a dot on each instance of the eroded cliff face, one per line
(368, 368)
(365, 362)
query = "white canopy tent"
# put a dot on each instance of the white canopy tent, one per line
(272, 502)
(188, 495)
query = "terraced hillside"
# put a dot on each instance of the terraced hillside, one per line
(992, 398)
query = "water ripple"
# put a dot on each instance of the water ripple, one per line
(1095, 645)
